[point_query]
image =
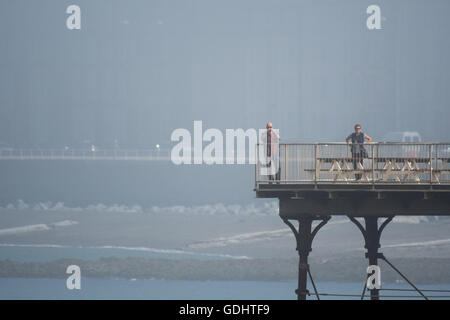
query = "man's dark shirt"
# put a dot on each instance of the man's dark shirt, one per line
(357, 142)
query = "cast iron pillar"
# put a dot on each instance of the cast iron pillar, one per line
(304, 237)
(372, 235)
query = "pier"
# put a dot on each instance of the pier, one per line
(319, 180)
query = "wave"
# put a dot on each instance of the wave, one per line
(61, 207)
(419, 244)
(36, 227)
(241, 238)
(171, 251)
(410, 219)
(269, 235)
(267, 208)
(250, 237)
(140, 249)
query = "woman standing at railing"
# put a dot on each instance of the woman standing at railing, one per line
(357, 148)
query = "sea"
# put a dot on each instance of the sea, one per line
(119, 182)
(152, 289)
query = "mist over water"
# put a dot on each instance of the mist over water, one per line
(125, 182)
(138, 70)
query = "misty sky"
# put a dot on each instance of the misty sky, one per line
(139, 69)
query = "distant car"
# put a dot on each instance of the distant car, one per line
(402, 136)
(410, 151)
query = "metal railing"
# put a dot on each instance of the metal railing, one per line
(370, 163)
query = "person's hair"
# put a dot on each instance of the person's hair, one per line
(357, 125)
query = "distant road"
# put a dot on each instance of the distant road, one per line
(85, 154)
(102, 154)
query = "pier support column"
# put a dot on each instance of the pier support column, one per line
(304, 237)
(372, 235)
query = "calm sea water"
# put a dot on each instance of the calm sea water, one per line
(94, 288)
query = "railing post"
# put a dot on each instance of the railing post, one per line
(431, 164)
(316, 167)
(285, 163)
(256, 164)
(373, 164)
(436, 158)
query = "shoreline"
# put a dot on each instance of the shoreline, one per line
(343, 269)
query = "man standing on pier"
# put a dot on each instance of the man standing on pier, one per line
(271, 139)
(357, 148)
